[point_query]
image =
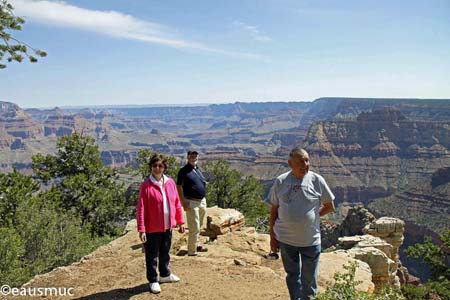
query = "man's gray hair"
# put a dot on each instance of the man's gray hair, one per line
(297, 150)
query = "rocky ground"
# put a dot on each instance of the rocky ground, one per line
(233, 268)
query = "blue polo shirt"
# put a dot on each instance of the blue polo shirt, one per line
(192, 181)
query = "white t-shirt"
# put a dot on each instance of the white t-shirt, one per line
(299, 201)
(165, 201)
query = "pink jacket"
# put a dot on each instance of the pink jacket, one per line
(150, 209)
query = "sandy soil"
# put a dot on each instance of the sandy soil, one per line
(233, 268)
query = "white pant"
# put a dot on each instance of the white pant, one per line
(195, 216)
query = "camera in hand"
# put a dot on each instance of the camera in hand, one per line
(272, 256)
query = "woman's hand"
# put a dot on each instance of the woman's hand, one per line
(142, 237)
(181, 228)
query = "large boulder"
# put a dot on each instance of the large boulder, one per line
(379, 247)
(356, 219)
(389, 229)
(377, 254)
(384, 269)
(334, 262)
(220, 221)
(365, 241)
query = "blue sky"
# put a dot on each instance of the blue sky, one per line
(204, 51)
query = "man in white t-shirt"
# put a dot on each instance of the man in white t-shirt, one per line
(299, 198)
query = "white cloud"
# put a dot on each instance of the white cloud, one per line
(112, 23)
(253, 31)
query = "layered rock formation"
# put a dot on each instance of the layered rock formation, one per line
(356, 219)
(379, 248)
(15, 125)
(25, 133)
(390, 230)
(384, 156)
(118, 157)
(66, 124)
(220, 221)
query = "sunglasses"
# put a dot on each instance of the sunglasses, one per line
(158, 166)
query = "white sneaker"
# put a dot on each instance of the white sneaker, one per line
(155, 288)
(169, 279)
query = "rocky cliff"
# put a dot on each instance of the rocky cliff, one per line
(25, 133)
(16, 125)
(384, 159)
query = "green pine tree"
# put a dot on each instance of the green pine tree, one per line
(14, 48)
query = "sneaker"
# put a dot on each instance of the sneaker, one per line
(193, 254)
(169, 279)
(155, 288)
(202, 249)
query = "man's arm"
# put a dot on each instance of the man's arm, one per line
(273, 218)
(182, 199)
(326, 208)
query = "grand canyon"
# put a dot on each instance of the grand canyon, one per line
(391, 155)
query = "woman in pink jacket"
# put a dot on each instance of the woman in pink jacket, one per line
(158, 211)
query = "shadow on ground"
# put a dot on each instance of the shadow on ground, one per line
(117, 294)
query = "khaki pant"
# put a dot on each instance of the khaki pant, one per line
(195, 216)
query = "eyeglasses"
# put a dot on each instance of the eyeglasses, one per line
(158, 166)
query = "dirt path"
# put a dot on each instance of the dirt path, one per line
(117, 271)
(233, 268)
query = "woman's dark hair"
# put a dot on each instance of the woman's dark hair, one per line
(156, 158)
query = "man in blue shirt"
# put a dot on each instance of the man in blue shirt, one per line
(299, 198)
(191, 186)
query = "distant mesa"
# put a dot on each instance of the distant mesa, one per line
(384, 149)
(384, 115)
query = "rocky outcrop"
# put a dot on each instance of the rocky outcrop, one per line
(5, 139)
(384, 270)
(66, 124)
(390, 230)
(356, 219)
(118, 157)
(379, 248)
(220, 221)
(17, 123)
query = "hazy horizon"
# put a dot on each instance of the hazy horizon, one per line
(214, 103)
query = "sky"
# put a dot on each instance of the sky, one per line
(117, 52)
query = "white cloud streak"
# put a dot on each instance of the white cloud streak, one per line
(251, 30)
(113, 24)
